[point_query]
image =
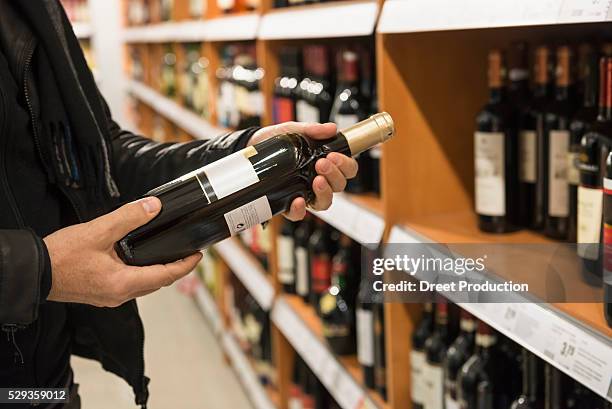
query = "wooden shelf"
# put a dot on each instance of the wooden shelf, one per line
(186, 31)
(340, 375)
(401, 16)
(326, 20)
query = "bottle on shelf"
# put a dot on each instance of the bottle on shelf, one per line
(532, 396)
(316, 91)
(264, 180)
(557, 139)
(579, 126)
(285, 250)
(435, 352)
(302, 261)
(335, 305)
(166, 10)
(188, 76)
(197, 9)
(285, 86)
(168, 71)
(495, 155)
(518, 77)
(229, 6)
(532, 191)
(417, 356)
(553, 387)
(297, 381)
(607, 242)
(226, 102)
(365, 329)
(380, 357)
(321, 248)
(456, 355)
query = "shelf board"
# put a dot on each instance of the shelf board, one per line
(207, 305)
(233, 28)
(185, 31)
(326, 20)
(358, 216)
(340, 375)
(406, 16)
(82, 30)
(192, 123)
(541, 328)
(248, 270)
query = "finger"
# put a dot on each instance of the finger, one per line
(160, 275)
(348, 166)
(127, 218)
(323, 193)
(297, 211)
(334, 177)
(319, 131)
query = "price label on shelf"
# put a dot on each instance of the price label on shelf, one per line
(580, 11)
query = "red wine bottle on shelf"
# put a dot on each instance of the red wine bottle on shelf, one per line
(285, 250)
(518, 76)
(302, 261)
(581, 124)
(297, 381)
(607, 242)
(240, 191)
(435, 352)
(553, 387)
(417, 356)
(456, 355)
(495, 155)
(557, 139)
(337, 311)
(285, 86)
(365, 330)
(532, 395)
(321, 249)
(531, 145)
(380, 357)
(316, 91)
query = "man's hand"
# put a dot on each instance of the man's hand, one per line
(333, 171)
(86, 268)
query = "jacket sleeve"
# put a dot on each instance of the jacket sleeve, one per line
(142, 164)
(25, 276)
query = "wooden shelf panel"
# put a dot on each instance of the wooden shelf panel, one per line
(340, 375)
(402, 16)
(326, 20)
(541, 328)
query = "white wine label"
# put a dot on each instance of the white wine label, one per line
(450, 403)
(590, 202)
(256, 102)
(305, 112)
(527, 151)
(285, 246)
(295, 403)
(558, 189)
(573, 170)
(248, 215)
(417, 363)
(434, 386)
(232, 173)
(490, 173)
(365, 337)
(225, 4)
(345, 121)
(301, 271)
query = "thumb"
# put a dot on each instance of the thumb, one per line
(128, 217)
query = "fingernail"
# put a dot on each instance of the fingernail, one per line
(151, 204)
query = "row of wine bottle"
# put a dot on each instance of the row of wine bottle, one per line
(539, 152)
(307, 90)
(474, 367)
(140, 12)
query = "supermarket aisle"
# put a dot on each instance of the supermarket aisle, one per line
(183, 360)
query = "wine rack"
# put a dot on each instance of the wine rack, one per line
(430, 77)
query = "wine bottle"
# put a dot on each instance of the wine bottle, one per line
(297, 380)
(518, 77)
(380, 357)
(285, 86)
(532, 191)
(316, 91)
(365, 328)
(308, 395)
(607, 242)
(456, 355)
(337, 311)
(531, 396)
(495, 153)
(285, 250)
(557, 138)
(188, 75)
(169, 72)
(553, 387)
(321, 247)
(239, 191)
(302, 261)
(435, 352)
(580, 125)
(417, 356)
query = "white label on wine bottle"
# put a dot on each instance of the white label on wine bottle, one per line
(573, 171)
(232, 173)
(417, 363)
(590, 202)
(558, 189)
(285, 259)
(490, 173)
(301, 271)
(434, 376)
(365, 337)
(248, 215)
(295, 403)
(256, 102)
(527, 163)
(304, 112)
(345, 121)
(450, 403)
(225, 4)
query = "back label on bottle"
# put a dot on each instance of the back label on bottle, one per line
(558, 189)
(590, 202)
(248, 215)
(365, 337)
(232, 173)
(433, 376)
(527, 162)
(306, 112)
(490, 173)
(417, 362)
(301, 271)
(285, 249)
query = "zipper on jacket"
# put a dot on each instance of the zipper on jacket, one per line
(10, 330)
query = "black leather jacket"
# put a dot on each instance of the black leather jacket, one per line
(113, 336)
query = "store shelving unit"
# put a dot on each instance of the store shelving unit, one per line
(426, 171)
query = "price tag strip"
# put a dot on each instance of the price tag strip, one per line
(358, 223)
(248, 271)
(340, 384)
(209, 308)
(580, 352)
(243, 368)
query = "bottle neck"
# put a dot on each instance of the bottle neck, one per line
(496, 95)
